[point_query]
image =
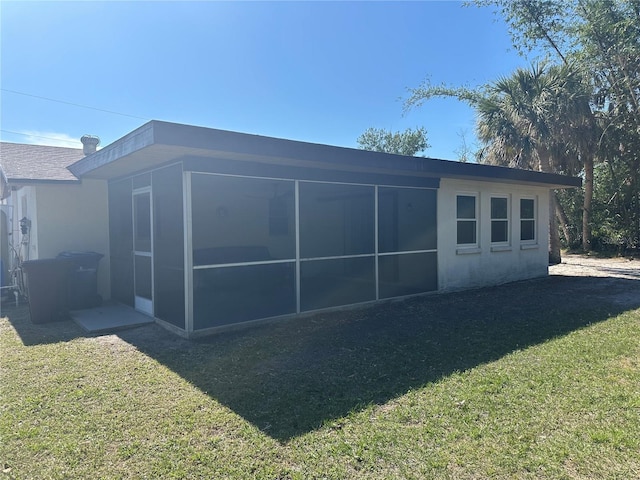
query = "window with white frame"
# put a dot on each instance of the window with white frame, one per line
(466, 219)
(500, 220)
(528, 219)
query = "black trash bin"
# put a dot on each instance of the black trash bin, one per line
(47, 287)
(82, 282)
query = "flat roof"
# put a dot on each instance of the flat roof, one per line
(157, 142)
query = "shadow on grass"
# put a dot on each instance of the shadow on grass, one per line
(291, 377)
(38, 334)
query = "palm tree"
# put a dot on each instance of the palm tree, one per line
(541, 119)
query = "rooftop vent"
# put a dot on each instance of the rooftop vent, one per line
(89, 144)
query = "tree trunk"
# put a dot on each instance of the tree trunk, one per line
(635, 241)
(586, 208)
(554, 235)
(564, 223)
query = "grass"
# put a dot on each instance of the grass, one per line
(439, 387)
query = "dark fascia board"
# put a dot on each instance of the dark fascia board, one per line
(268, 149)
(132, 142)
(271, 170)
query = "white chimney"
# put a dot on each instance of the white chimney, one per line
(89, 144)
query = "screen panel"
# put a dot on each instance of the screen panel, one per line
(227, 295)
(342, 281)
(336, 219)
(406, 219)
(121, 241)
(237, 220)
(407, 274)
(168, 245)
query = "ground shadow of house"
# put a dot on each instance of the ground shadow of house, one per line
(292, 377)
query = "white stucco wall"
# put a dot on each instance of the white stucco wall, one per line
(23, 205)
(76, 218)
(463, 267)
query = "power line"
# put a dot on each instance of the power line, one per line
(72, 103)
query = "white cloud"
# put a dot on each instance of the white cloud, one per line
(49, 138)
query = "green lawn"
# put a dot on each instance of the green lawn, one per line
(495, 383)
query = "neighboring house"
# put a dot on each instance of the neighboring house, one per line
(203, 228)
(61, 212)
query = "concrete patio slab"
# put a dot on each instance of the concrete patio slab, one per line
(109, 317)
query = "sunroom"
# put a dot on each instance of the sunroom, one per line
(211, 229)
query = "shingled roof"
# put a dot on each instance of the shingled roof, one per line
(22, 164)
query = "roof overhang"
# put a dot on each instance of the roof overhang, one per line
(16, 183)
(156, 143)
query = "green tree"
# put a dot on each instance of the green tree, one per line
(603, 38)
(410, 142)
(536, 118)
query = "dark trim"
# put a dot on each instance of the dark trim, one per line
(246, 147)
(256, 169)
(132, 142)
(160, 166)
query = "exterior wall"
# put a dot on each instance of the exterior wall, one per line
(485, 265)
(73, 217)
(23, 205)
(5, 227)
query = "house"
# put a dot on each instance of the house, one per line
(59, 212)
(203, 228)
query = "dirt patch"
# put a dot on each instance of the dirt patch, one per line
(606, 275)
(586, 266)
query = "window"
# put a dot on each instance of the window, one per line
(499, 220)
(527, 220)
(467, 225)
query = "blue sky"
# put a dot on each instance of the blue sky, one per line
(321, 72)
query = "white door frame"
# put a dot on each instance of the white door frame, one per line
(142, 304)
